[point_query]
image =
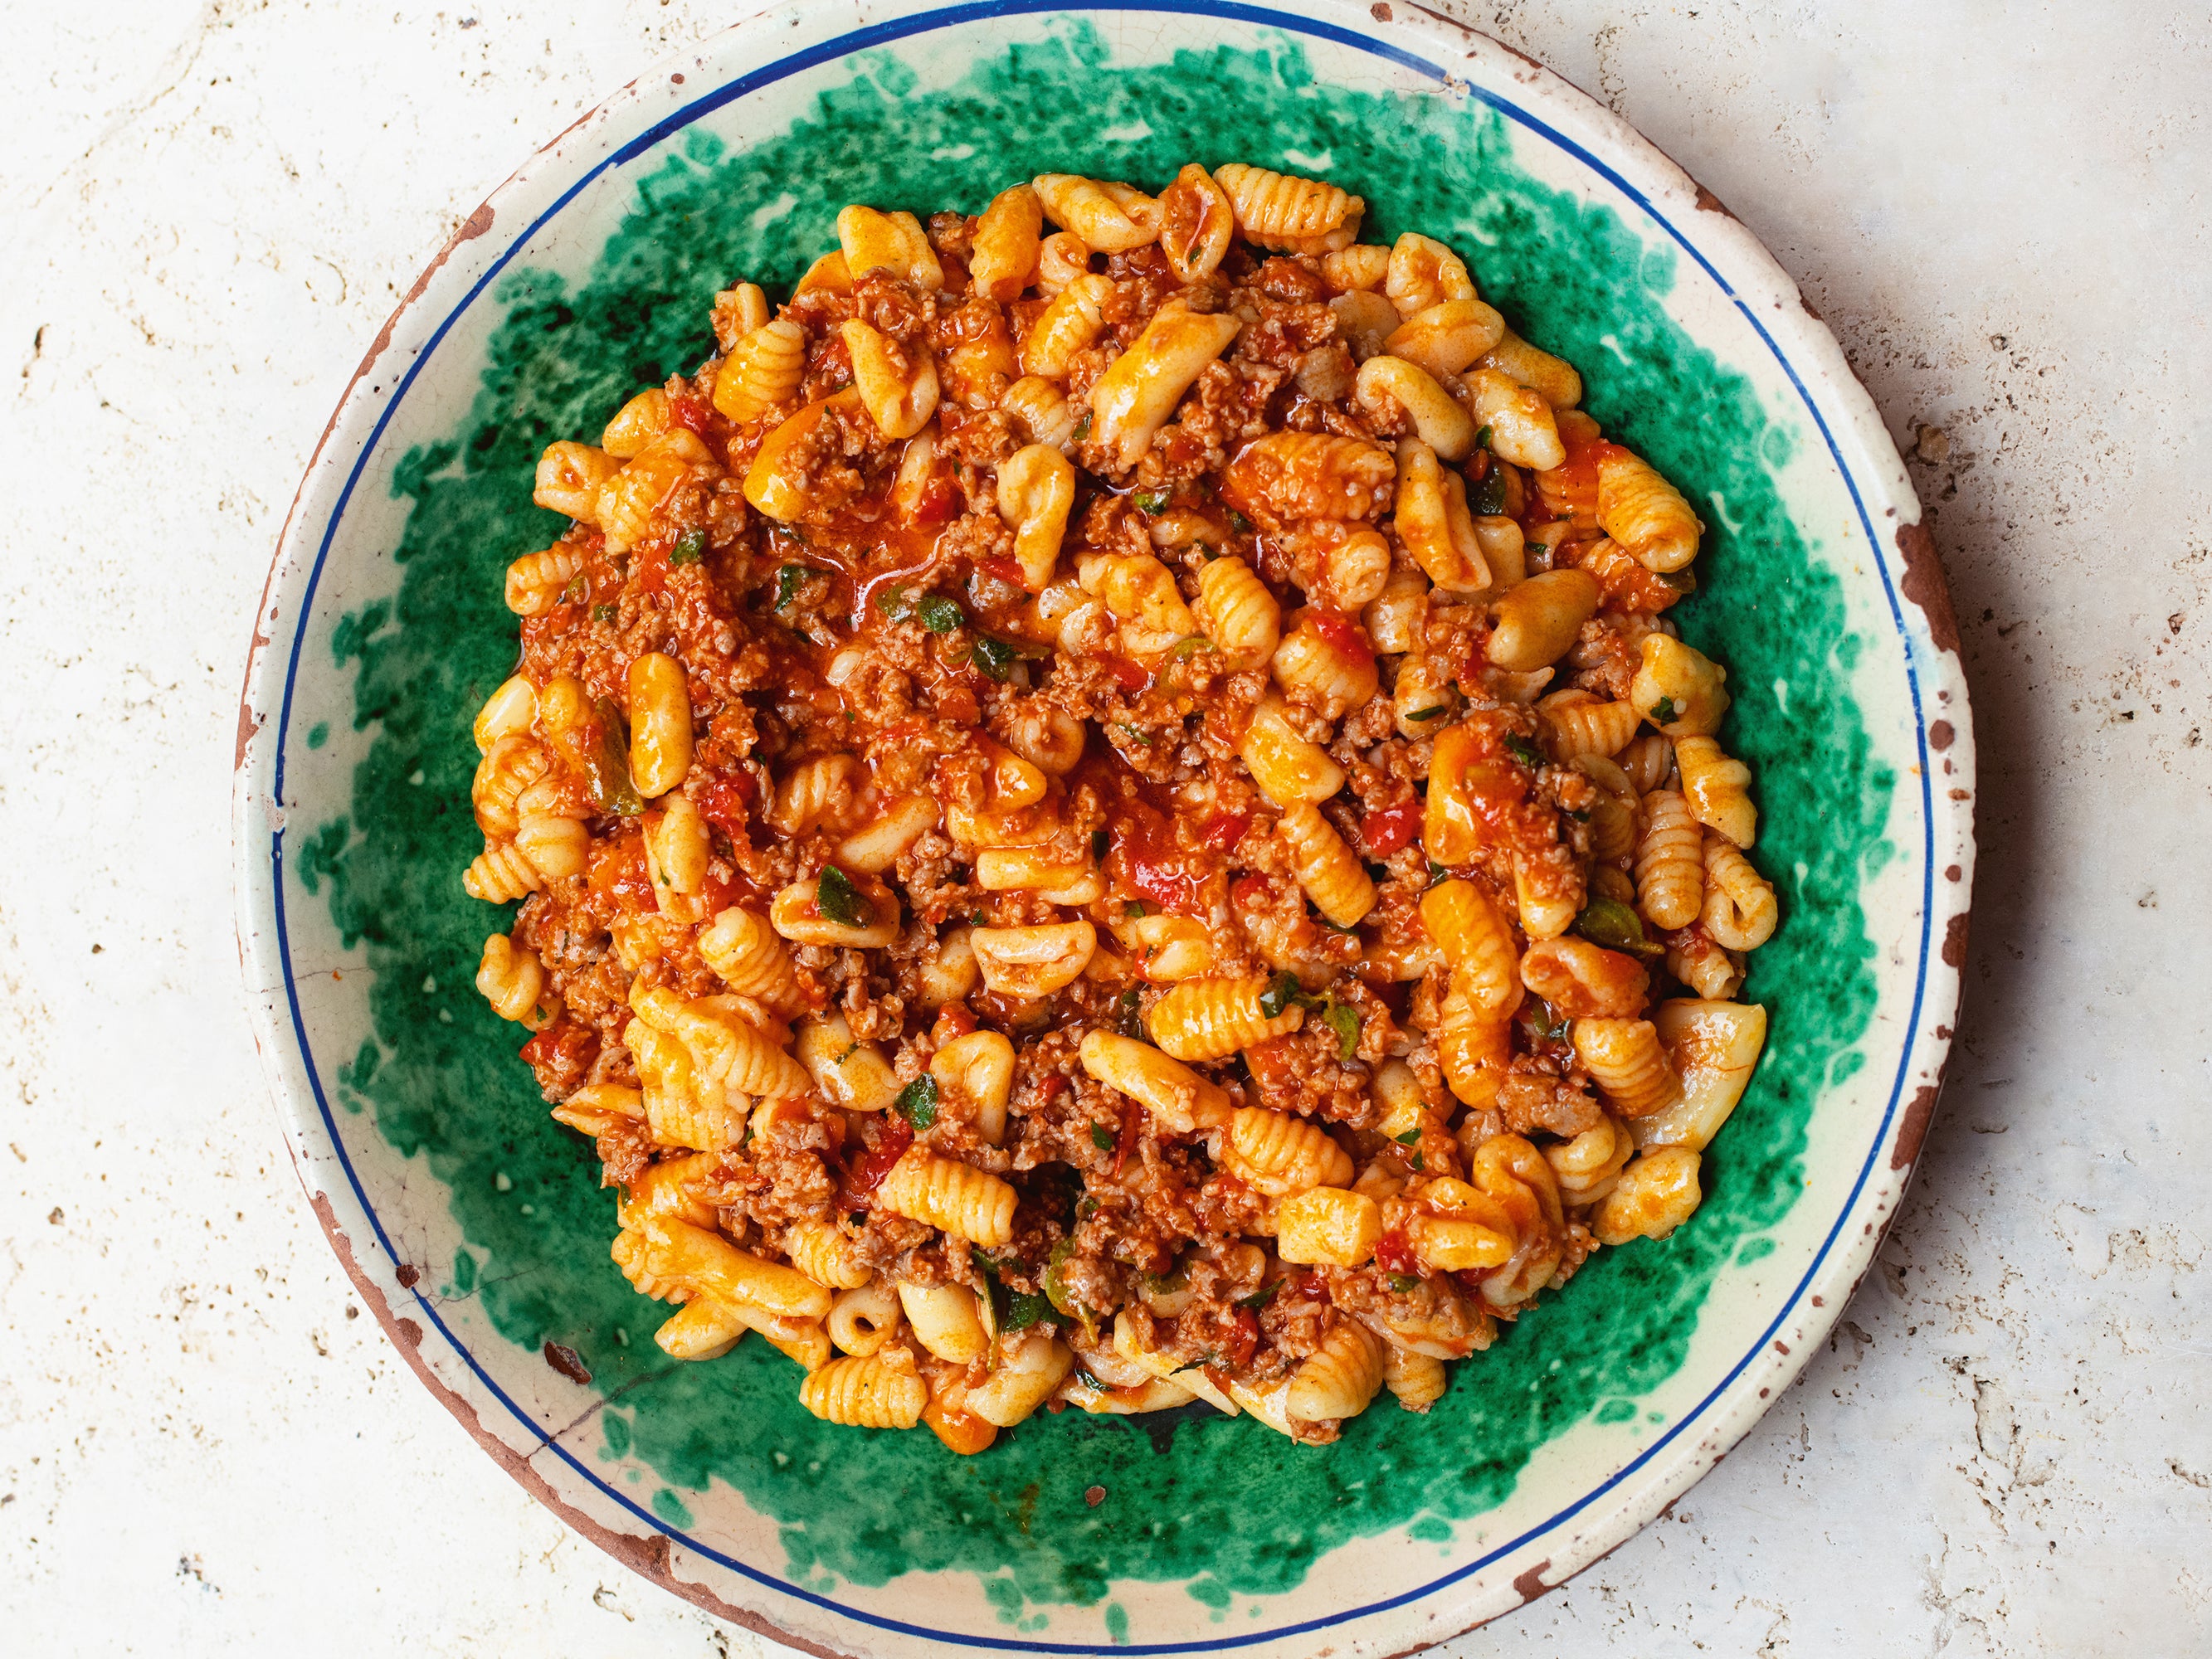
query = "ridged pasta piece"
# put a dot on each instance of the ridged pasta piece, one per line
(1134, 398)
(1474, 1046)
(1339, 1378)
(1582, 980)
(1587, 1166)
(1279, 1154)
(1033, 1365)
(1513, 1174)
(1699, 962)
(699, 1331)
(509, 767)
(1213, 1017)
(659, 724)
(947, 1319)
(1044, 412)
(514, 981)
(1670, 870)
(1197, 223)
(1477, 940)
(817, 1249)
(1035, 490)
(639, 500)
(814, 792)
(869, 1393)
(1578, 723)
(501, 874)
(569, 477)
(1740, 910)
(966, 1202)
(762, 372)
(861, 1321)
(704, 1263)
(872, 240)
(1061, 257)
(729, 1053)
(1677, 688)
(1179, 1099)
(1287, 475)
(636, 424)
(556, 844)
(1076, 317)
(598, 1107)
(1552, 377)
(1109, 217)
(1654, 1194)
(1290, 214)
(1362, 267)
(1389, 389)
(1457, 1228)
(1137, 587)
(1447, 337)
(1238, 613)
(535, 582)
(1329, 871)
(1287, 765)
(1624, 1059)
(1417, 1379)
(738, 312)
(1522, 428)
(1325, 665)
(669, 1188)
(741, 947)
(678, 1112)
(1537, 622)
(1003, 254)
(1423, 272)
(897, 383)
(508, 713)
(1717, 788)
(1643, 512)
(1034, 961)
(1433, 523)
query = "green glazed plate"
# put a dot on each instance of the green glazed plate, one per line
(474, 1226)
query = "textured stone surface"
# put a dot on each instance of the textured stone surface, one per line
(204, 1448)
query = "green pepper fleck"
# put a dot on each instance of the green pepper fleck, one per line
(1135, 910)
(839, 900)
(1684, 581)
(1150, 502)
(604, 613)
(1614, 925)
(606, 765)
(1238, 522)
(917, 1102)
(1133, 1020)
(1283, 993)
(1405, 1283)
(1345, 1023)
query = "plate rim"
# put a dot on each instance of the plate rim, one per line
(1804, 347)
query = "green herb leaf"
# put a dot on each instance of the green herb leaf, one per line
(995, 658)
(1100, 841)
(1151, 501)
(1238, 522)
(1437, 873)
(1135, 910)
(604, 613)
(838, 900)
(1663, 712)
(1260, 1297)
(788, 580)
(1428, 714)
(1614, 925)
(1523, 751)
(896, 603)
(1283, 993)
(1102, 1137)
(690, 547)
(576, 591)
(939, 614)
(1082, 428)
(1133, 1020)
(1085, 1208)
(1405, 1283)
(1055, 1287)
(1341, 1020)
(1411, 1138)
(607, 765)
(1419, 1162)
(1489, 497)
(1482, 439)
(1205, 1360)
(917, 1102)
(1188, 648)
(1544, 1022)
(1024, 1310)
(1137, 735)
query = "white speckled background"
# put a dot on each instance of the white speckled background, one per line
(204, 216)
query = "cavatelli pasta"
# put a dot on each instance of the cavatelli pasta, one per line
(1105, 827)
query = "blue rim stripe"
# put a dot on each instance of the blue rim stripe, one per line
(843, 46)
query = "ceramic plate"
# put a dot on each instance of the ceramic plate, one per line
(473, 1224)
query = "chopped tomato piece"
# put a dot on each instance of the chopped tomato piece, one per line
(1393, 829)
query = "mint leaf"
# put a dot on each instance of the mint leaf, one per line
(838, 900)
(917, 1102)
(939, 614)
